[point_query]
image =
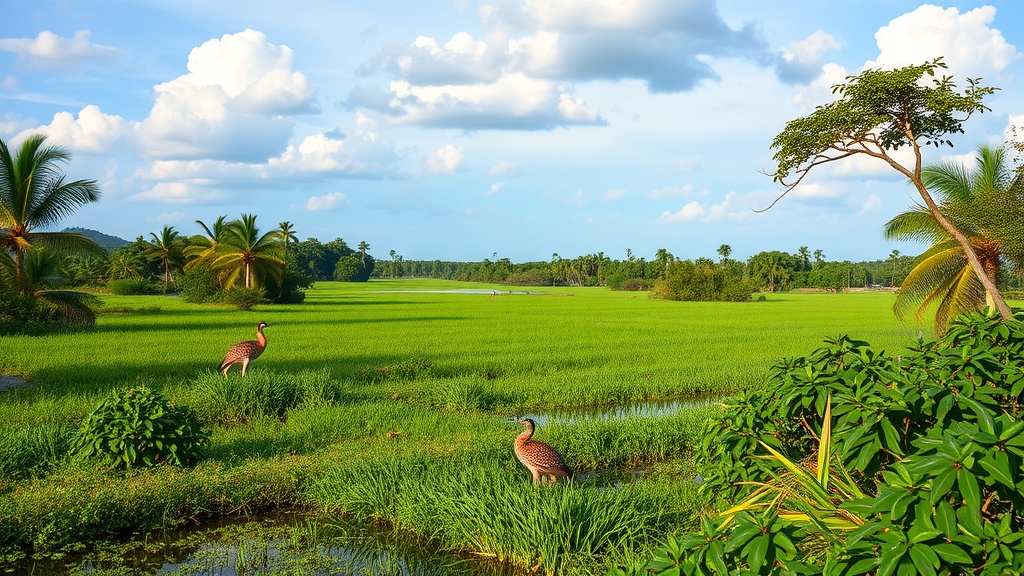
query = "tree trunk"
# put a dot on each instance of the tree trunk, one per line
(979, 270)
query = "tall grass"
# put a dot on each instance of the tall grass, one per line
(478, 506)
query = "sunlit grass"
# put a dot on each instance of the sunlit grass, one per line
(382, 401)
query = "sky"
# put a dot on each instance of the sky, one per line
(463, 130)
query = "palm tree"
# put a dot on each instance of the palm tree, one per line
(34, 194)
(247, 255)
(895, 254)
(41, 269)
(971, 200)
(287, 235)
(203, 248)
(724, 251)
(363, 247)
(167, 247)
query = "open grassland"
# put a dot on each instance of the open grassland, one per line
(384, 401)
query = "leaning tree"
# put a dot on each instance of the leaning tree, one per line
(877, 113)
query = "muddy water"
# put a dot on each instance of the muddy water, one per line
(276, 543)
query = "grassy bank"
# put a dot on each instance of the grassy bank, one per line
(387, 403)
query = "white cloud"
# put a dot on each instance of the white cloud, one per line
(968, 45)
(515, 77)
(671, 192)
(814, 191)
(728, 211)
(9, 83)
(169, 217)
(819, 92)
(11, 124)
(446, 160)
(802, 60)
(513, 102)
(177, 193)
(504, 168)
(326, 202)
(93, 132)
(48, 50)
(871, 204)
(233, 104)
(495, 188)
(614, 194)
(689, 213)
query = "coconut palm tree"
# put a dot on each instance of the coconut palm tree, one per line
(203, 248)
(287, 235)
(33, 195)
(41, 273)
(245, 254)
(168, 248)
(974, 201)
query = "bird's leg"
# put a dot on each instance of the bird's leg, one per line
(245, 364)
(536, 477)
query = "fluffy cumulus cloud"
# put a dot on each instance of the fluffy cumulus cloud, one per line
(801, 61)
(447, 160)
(50, 51)
(967, 43)
(93, 132)
(179, 193)
(519, 75)
(363, 154)
(235, 103)
(330, 201)
(495, 188)
(689, 213)
(513, 102)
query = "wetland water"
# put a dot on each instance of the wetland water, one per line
(306, 543)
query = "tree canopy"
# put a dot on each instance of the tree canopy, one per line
(876, 113)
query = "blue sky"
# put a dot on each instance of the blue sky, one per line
(457, 130)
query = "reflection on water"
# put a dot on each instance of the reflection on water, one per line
(277, 543)
(649, 409)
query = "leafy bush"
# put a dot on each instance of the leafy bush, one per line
(131, 287)
(244, 298)
(141, 427)
(199, 285)
(702, 281)
(529, 278)
(931, 443)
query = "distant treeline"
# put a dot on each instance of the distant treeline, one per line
(770, 271)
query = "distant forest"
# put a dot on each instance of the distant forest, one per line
(768, 271)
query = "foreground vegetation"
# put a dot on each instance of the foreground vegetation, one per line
(381, 402)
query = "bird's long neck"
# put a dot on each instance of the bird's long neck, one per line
(260, 338)
(525, 435)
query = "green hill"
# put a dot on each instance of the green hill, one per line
(108, 242)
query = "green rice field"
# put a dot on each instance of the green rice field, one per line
(392, 402)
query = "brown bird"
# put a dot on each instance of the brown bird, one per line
(541, 460)
(245, 352)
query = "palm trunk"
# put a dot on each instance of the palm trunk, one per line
(992, 293)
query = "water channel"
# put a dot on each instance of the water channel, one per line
(297, 542)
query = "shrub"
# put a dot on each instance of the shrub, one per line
(140, 427)
(929, 446)
(244, 298)
(130, 287)
(199, 285)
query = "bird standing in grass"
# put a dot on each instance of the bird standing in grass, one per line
(245, 352)
(541, 460)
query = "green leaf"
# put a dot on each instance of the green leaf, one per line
(953, 553)
(941, 484)
(945, 518)
(998, 465)
(924, 559)
(967, 483)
